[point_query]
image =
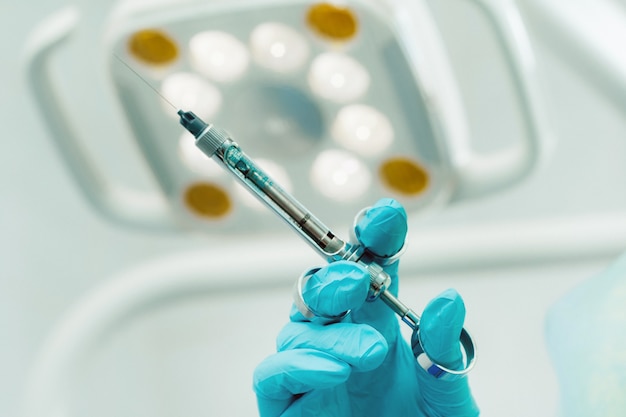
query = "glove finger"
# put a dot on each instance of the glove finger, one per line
(359, 345)
(284, 375)
(440, 329)
(383, 228)
(342, 286)
(334, 289)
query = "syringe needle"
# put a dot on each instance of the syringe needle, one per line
(144, 80)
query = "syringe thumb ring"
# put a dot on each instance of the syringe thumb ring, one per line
(468, 350)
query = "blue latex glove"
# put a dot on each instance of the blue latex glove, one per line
(362, 366)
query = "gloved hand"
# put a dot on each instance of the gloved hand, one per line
(362, 366)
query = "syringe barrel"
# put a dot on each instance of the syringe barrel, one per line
(287, 207)
(216, 143)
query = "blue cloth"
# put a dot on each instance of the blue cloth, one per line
(362, 366)
(586, 341)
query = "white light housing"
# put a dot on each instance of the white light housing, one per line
(340, 175)
(276, 172)
(218, 56)
(278, 47)
(195, 159)
(362, 129)
(191, 92)
(338, 77)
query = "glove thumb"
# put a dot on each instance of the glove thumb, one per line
(440, 329)
(383, 228)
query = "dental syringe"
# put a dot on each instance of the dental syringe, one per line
(216, 143)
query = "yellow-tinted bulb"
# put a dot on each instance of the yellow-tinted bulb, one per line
(404, 176)
(336, 23)
(207, 200)
(153, 46)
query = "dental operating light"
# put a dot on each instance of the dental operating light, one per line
(313, 88)
(361, 85)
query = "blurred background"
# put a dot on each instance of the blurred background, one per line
(108, 311)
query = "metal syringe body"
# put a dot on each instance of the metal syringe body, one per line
(216, 143)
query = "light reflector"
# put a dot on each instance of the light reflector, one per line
(218, 55)
(190, 91)
(338, 77)
(278, 47)
(362, 129)
(340, 175)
